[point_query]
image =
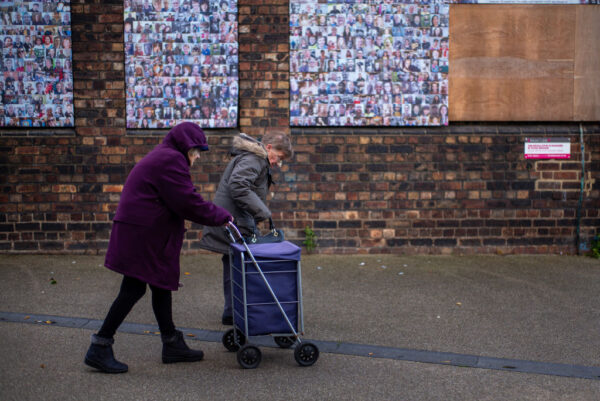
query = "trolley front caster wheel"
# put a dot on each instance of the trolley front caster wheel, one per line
(229, 339)
(306, 354)
(284, 342)
(249, 356)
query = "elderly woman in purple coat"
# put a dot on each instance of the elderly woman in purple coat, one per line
(146, 240)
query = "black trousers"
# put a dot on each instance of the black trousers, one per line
(132, 290)
(227, 308)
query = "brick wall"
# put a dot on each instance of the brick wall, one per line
(464, 188)
(264, 69)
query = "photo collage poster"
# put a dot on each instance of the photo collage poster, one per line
(181, 63)
(525, 1)
(36, 84)
(368, 63)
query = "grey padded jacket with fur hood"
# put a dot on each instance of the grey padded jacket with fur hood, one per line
(242, 191)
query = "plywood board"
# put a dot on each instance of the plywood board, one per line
(511, 62)
(587, 64)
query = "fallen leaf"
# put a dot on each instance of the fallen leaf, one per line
(187, 273)
(191, 335)
(26, 317)
(146, 331)
(48, 322)
(459, 303)
(157, 332)
(42, 366)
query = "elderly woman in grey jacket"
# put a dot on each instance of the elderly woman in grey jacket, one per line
(243, 192)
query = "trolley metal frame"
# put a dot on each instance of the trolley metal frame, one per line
(248, 355)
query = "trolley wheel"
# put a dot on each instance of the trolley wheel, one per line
(249, 356)
(284, 342)
(229, 339)
(306, 354)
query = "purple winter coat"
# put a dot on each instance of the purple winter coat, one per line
(157, 197)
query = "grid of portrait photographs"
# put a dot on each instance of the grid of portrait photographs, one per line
(181, 63)
(366, 62)
(36, 83)
(524, 1)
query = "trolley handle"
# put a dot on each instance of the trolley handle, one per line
(232, 229)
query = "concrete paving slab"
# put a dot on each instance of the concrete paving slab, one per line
(532, 309)
(46, 363)
(330, 347)
(523, 307)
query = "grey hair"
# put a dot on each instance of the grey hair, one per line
(280, 141)
(194, 152)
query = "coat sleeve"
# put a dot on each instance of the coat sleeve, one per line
(177, 191)
(242, 187)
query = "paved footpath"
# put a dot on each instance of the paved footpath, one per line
(388, 327)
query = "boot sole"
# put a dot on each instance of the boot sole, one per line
(175, 359)
(101, 368)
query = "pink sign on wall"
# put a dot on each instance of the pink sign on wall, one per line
(547, 148)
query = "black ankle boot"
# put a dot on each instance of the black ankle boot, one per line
(176, 350)
(100, 356)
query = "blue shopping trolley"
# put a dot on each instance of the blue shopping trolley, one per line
(266, 293)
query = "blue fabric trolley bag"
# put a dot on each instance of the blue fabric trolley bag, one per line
(267, 299)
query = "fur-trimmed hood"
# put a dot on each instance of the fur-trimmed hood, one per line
(245, 143)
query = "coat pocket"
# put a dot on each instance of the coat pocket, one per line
(172, 245)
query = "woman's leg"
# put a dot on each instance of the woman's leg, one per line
(100, 354)
(131, 291)
(174, 347)
(162, 304)
(227, 307)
